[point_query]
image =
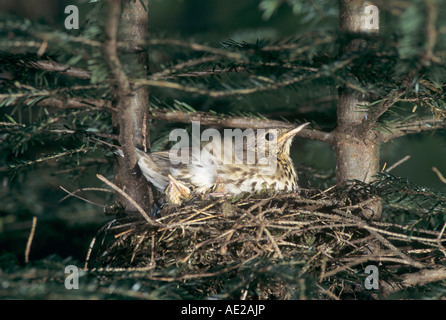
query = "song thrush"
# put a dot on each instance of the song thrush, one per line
(224, 167)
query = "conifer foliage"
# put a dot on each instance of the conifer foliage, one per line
(67, 95)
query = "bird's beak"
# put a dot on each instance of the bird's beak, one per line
(292, 132)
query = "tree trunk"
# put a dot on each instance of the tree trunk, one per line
(357, 156)
(132, 117)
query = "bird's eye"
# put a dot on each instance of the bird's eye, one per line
(269, 136)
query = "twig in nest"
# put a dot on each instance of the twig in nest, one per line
(359, 260)
(408, 260)
(274, 243)
(195, 275)
(424, 276)
(328, 293)
(200, 235)
(440, 235)
(141, 239)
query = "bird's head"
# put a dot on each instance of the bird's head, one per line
(285, 138)
(278, 141)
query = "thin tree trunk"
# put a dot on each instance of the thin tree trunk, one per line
(357, 156)
(132, 117)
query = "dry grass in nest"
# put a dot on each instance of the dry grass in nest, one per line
(322, 235)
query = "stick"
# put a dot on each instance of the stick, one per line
(51, 66)
(274, 243)
(73, 194)
(440, 176)
(442, 248)
(90, 248)
(396, 164)
(133, 202)
(30, 239)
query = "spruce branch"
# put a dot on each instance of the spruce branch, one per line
(18, 136)
(193, 46)
(205, 118)
(269, 83)
(364, 128)
(52, 66)
(223, 121)
(190, 63)
(33, 96)
(217, 120)
(42, 128)
(53, 156)
(412, 127)
(77, 103)
(60, 102)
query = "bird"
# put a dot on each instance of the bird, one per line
(223, 167)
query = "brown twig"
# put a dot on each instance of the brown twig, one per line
(30, 239)
(423, 277)
(137, 206)
(222, 121)
(439, 174)
(90, 249)
(73, 194)
(396, 164)
(440, 236)
(97, 134)
(52, 66)
(274, 243)
(75, 103)
(61, 103)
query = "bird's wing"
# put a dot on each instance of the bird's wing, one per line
(155, 167)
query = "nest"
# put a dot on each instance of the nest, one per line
(269, 243)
